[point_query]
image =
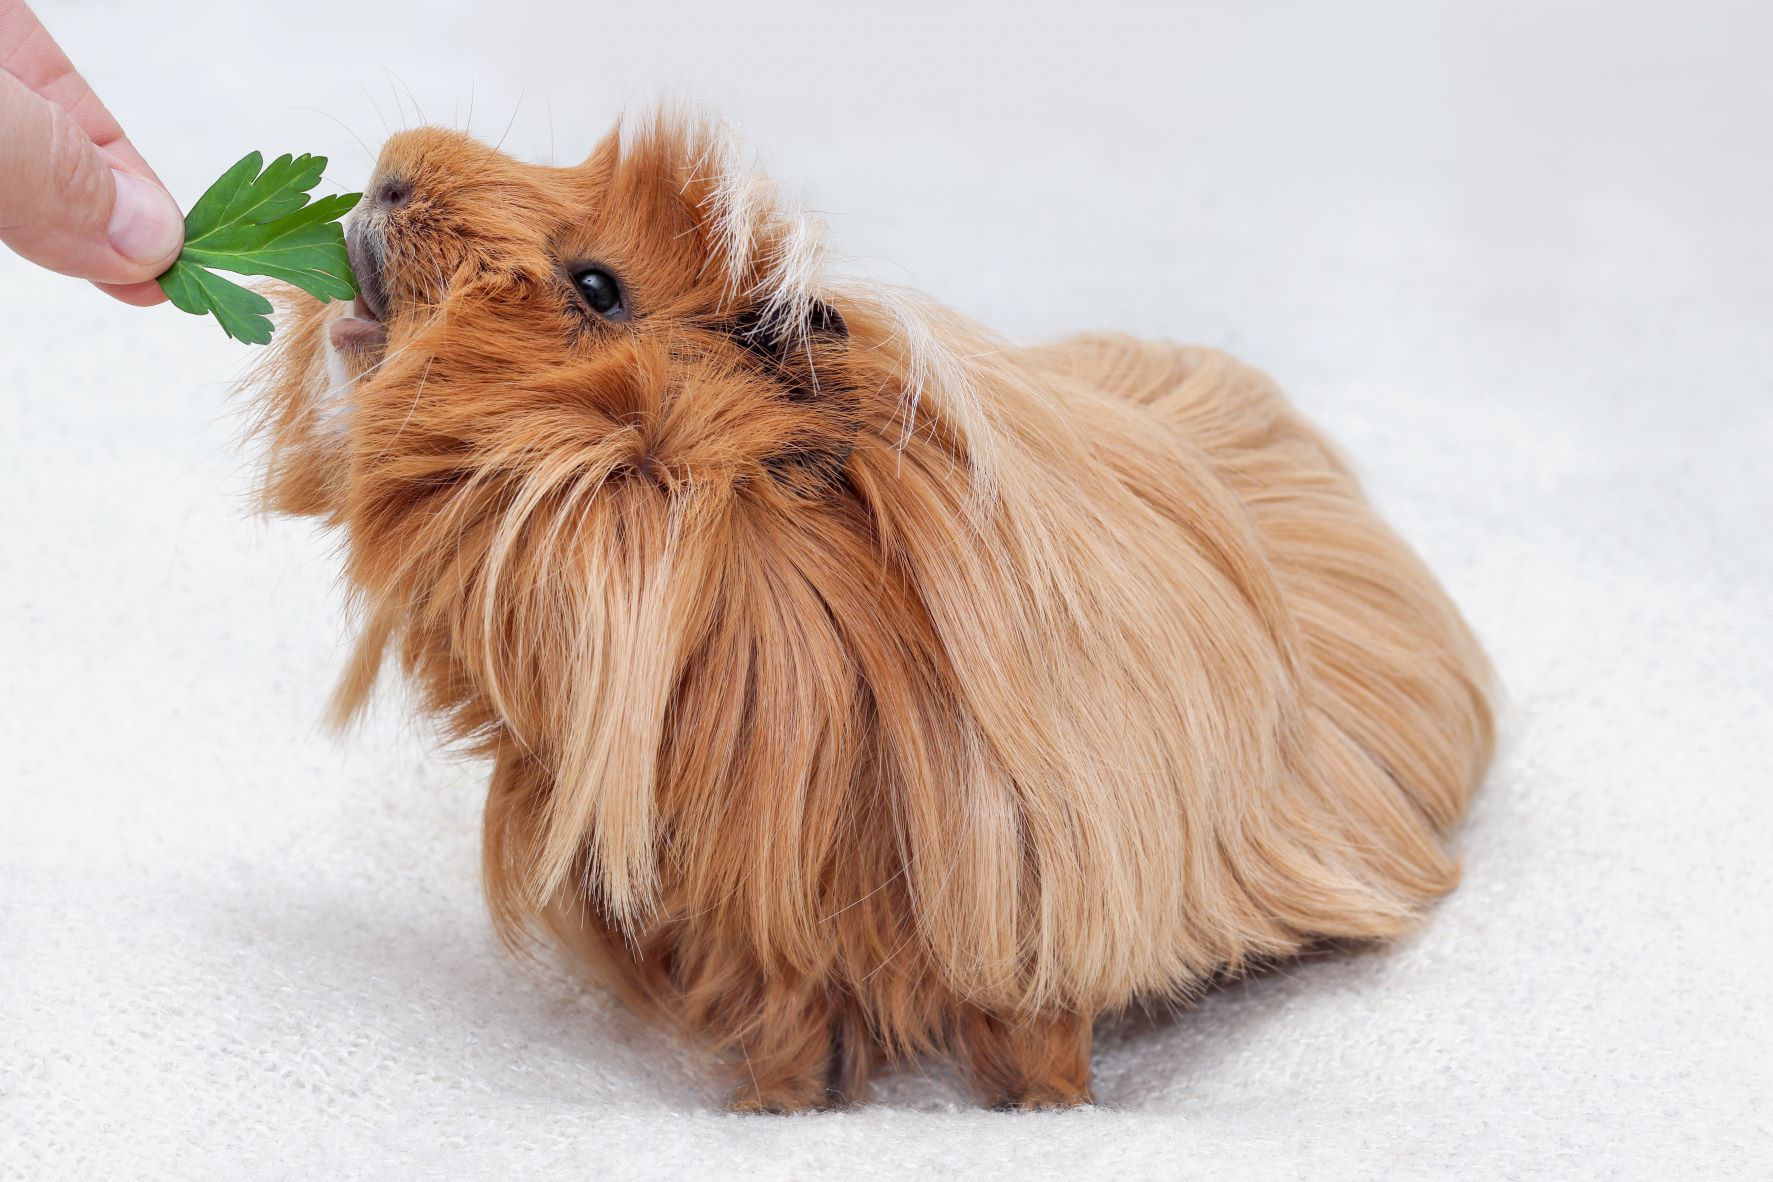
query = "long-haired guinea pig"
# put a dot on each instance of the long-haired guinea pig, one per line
(857, 685)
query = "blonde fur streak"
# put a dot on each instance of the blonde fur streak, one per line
(859, 684)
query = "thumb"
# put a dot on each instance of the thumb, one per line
(65, 206)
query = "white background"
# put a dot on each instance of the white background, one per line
(1516, 256)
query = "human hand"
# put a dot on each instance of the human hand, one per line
(75, 196)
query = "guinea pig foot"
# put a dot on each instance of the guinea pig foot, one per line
(783, 1099)
(1044, 1098)
(1027, 1063)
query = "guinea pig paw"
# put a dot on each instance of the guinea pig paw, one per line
(783, 1098)
(1043, 1098)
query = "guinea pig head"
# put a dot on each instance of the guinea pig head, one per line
(642, 306)
(552, 378)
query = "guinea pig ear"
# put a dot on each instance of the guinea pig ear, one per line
(824, 319)
(805, 356)
(793, 346)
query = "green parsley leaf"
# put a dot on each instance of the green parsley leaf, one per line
(258, 220)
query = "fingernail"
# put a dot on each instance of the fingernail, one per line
(146, 226)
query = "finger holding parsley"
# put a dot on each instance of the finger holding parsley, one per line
(75, 195)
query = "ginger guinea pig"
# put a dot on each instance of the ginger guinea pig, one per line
(858, 686)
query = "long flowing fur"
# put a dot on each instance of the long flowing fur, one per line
(864, 692)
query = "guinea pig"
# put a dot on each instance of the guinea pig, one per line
(857, 685)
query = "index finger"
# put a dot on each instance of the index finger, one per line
(30, 54)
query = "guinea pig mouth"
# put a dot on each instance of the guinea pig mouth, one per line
(365, 326)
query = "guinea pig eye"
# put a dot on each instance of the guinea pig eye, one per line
(601, 292)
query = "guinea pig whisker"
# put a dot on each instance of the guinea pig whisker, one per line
(362, 144)
(509, 123)
(386, 130)
(414, 405)
(398, 105)
(392, 79)
(406, 86)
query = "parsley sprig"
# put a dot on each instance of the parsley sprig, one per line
(258, 220)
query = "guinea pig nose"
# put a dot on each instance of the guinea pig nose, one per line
(392, 193)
